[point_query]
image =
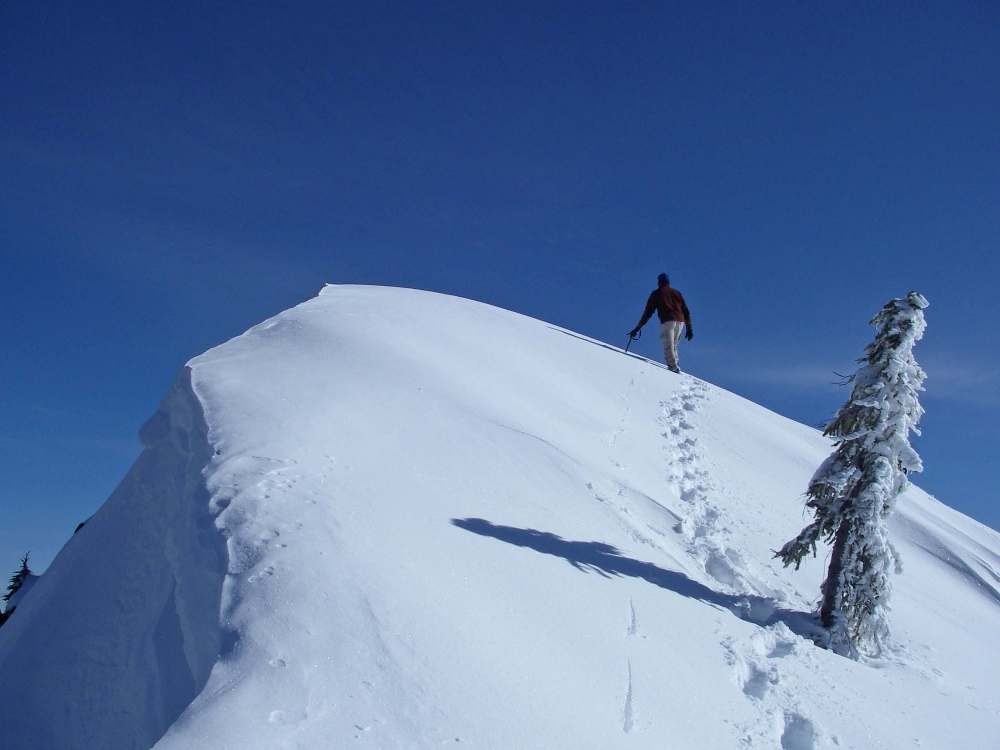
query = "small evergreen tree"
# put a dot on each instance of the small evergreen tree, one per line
(854, 490)
(17, 580)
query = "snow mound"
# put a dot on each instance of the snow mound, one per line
(395, 519)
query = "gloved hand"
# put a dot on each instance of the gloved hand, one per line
(690, 333)
(633, 333)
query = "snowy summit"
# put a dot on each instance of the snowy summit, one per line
(391, 519)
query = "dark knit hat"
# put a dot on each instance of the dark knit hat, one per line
(663, 279)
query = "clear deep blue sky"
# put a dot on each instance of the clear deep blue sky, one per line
(173, 173)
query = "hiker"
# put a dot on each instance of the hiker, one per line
(674, 318)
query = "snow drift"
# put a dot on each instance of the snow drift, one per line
(395, 519)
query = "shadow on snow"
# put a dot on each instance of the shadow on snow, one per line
(607, 561)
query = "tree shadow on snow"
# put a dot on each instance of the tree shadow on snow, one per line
(608, 561)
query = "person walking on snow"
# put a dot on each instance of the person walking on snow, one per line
(674, 316)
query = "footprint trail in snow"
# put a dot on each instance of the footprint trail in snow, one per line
(707, 539)
(757, 670)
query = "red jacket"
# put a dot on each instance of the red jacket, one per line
(669, 305)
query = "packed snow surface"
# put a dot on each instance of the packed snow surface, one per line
(395, 519)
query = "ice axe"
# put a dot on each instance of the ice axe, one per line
(632, 337)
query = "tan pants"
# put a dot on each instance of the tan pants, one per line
(670, 334)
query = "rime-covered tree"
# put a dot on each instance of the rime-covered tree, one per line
(854, 490)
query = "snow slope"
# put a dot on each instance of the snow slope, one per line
(395, 519)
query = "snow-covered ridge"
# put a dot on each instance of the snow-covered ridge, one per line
(394, 519)
(122, 631)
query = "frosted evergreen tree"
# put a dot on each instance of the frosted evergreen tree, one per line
(854, 490)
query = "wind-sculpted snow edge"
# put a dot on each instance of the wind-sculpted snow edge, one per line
(150, 563)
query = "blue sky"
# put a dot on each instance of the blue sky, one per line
(171, 174)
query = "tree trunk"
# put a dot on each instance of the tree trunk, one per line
(831, 586)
